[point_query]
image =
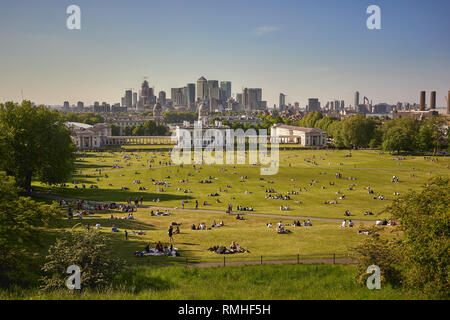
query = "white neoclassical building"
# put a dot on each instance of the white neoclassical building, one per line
(307, 137)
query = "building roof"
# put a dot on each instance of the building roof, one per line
(295, 128)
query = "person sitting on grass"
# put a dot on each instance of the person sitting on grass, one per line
(159, 247)
(114, 229)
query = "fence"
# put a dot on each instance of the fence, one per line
(243, 259)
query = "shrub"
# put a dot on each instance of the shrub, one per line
(87, 250)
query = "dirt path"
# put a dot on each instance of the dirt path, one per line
(245, 213)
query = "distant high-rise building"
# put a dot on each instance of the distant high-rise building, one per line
(356, 100)
(213, 89)
(433, 100)
(66, 105)
(162, 98)
(342, 104)
(128, 98)
(145, 93)
(80, 105)
(422, 100)
(225, 87)
(313, 104)
(239, 99)
(134, 99)
(282, 102)
(448, 102)
(178, 96)
(202, 89)
(190, 94)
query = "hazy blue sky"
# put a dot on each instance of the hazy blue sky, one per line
(312, 48)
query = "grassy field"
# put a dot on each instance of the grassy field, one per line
(323, 282)
(308, 172)
(251, 233)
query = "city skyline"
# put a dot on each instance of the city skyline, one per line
(303, 49)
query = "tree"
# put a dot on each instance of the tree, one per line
(35, 143)
(88, 250)
(400, 135)
(357, 131)
(424, 217)
(419, 258)
(20, 233)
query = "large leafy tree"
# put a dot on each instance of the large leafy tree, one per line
(357, 131)
(20, 235)
(400, 135)
(35, 143)
(425, 219)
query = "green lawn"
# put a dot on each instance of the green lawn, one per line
(252, 234)
(369, 168)
(246, 282)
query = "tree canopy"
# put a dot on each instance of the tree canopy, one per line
(35, 143)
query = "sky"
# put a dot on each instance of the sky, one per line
(303, 48)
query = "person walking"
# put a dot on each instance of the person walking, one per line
(196, 204)
(170, 232)
(126, 235)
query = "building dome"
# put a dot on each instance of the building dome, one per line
(157, 110)
(203, 111)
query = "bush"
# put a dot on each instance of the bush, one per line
(379, 252)
(87, 250)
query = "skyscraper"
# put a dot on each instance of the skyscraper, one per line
(162, 98)
(145, 92)
(128, 98)
(282, 102)
(356, 100)
(225, 87)
(190, 94)
(202, 89)
(134, 99)
(313, 104)
(448, 102)
(433, 100)
(422, 100)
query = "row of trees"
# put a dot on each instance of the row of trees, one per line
(150, 128)
(88, 118)
(403, 134)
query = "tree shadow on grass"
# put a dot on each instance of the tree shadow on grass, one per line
(111, 195)
(121, 224)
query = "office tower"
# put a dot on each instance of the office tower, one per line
(239, 99)
(190, 94)
(448, 102)
(96, 104)
(178, 96)
(134, 99)
(422, 100)
(356, 100)
(313, 104)
(128, 98)
(123, 102)
(162, 98)
(145, 92)
(202, 89)
(245, 98)
(213, 89)
(433, 100)
(342, 105)
(225, 87)
(80, 105)
(66, 105)
(282, 102)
